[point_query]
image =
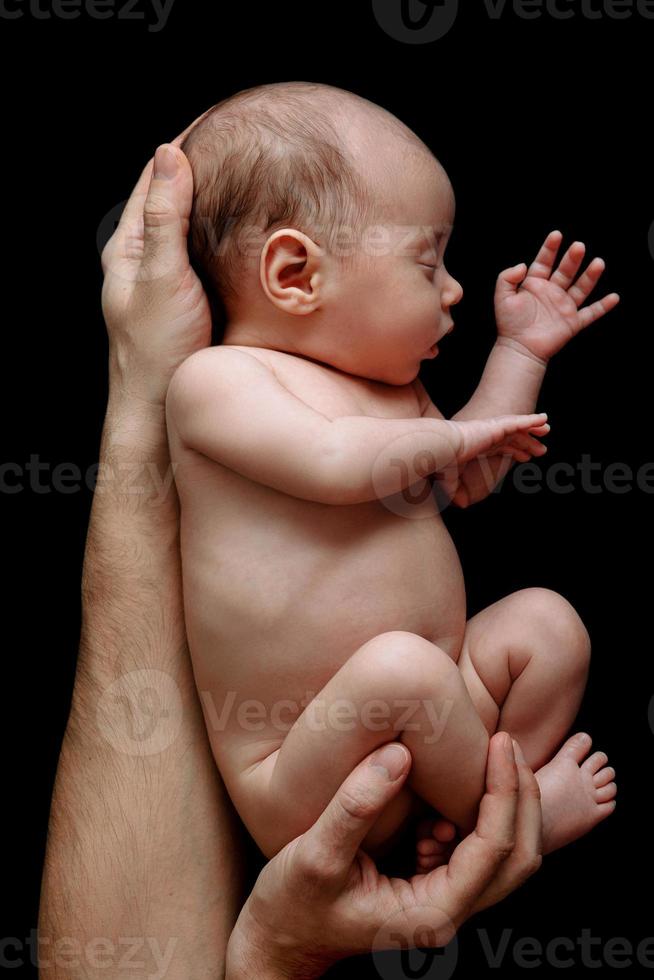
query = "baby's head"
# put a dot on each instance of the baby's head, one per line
(318, 228)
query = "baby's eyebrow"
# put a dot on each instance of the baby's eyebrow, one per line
(430, 235)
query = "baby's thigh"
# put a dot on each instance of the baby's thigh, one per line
(360, 708)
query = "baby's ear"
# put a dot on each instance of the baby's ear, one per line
(290, 271)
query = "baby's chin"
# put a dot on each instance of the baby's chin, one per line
(383, 368)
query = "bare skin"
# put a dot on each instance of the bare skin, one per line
(128, 825)
(317, 573)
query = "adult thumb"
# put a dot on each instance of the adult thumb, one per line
(333, 840)
(166, 213)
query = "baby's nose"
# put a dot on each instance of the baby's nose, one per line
(453, 294)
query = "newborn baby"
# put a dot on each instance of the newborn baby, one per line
(324, 599)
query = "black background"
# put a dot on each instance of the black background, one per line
(541, 123)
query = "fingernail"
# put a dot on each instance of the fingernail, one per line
(392, 759)
(518, 752)
(165, 163)
(508, 746)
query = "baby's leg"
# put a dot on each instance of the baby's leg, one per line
(397, 686)
(525, 663)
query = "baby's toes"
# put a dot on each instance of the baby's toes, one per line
(428, 846)
(434, 843)
(431, 854)
(426, 862)
(606, 793)
(595, 762)
(444, 830)
(436, 829)
(604, 776)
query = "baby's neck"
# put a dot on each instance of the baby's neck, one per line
(241, 333)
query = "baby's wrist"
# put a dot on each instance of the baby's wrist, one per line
(509, 343)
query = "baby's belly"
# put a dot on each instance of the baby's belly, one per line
(276, 602)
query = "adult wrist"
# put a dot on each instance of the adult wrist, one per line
(144, 386)
(135, 473)
(253, 953)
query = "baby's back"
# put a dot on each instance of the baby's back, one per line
(280, 591)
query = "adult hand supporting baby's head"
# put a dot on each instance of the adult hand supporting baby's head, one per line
(155, 308)
(322, 899)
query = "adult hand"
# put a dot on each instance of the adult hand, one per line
(156, 311)
(321, 898)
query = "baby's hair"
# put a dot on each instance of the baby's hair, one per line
(270, 157)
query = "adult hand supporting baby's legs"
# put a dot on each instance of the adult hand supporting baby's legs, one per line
(396, 686)
(321, 898)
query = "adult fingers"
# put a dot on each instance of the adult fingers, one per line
(131, 220)
(527, 855)
(529, 821)
(130, 226)
(477, 859)
(166, 214)
(326, 851)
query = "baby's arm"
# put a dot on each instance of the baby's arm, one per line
(224, 403)
(479, 477)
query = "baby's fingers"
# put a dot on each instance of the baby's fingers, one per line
(511, 424)
(480, 435)
(541, 430)
(527, 443)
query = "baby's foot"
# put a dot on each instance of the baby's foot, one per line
(435, 841)
(575, 795)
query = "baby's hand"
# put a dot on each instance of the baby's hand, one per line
(543, 314)
(499, 434)
(522, 446)
(509, 435)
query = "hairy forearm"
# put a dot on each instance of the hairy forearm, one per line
(143, 842)
(511, 383)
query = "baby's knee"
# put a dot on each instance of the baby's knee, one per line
(402, 665)
(559, 621)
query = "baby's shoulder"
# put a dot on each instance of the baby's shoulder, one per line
(210, 360)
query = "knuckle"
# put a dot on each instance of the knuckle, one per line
(312, 867)
(506, 847)
(527, 865)
(157, 210)
(356, 807)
